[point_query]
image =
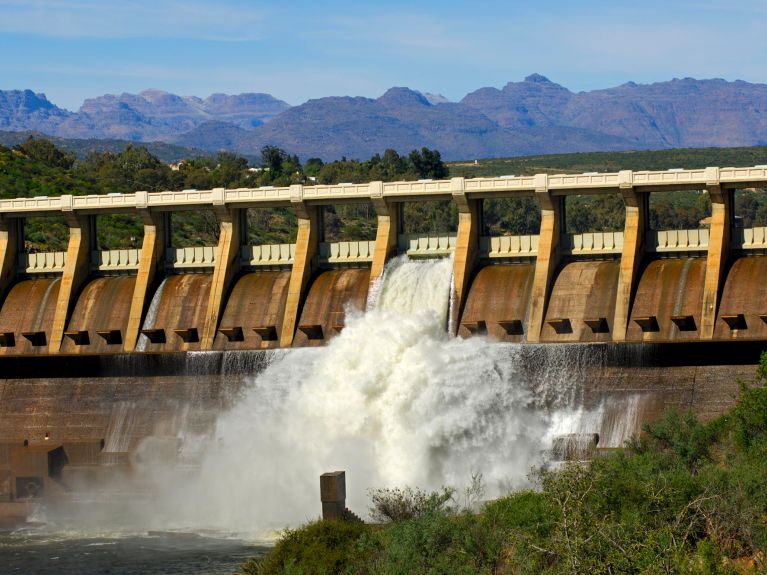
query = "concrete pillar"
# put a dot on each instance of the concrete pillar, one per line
(304, 263)
(227, 266)
(9, 251)
(718, 251)
(386, 232)
(633, 252)
(151, 263)
(466, 247)
(333, 494)
(76, 269)
(548, 255)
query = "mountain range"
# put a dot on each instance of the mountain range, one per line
(535, 116)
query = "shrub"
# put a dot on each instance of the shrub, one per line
(395, 504)
(318, 548)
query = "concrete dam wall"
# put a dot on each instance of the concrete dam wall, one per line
(110, 359)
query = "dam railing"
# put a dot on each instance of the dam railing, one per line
(678, 240)
(612, 268)
(42, 262)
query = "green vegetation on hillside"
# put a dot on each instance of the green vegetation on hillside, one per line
(685, 497)
(80, 148)
(687, 158)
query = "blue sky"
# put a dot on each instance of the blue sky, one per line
(297, 50)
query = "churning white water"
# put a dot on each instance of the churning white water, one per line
(393, 400)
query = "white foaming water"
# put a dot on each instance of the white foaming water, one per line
(393, 400)
(412, 287)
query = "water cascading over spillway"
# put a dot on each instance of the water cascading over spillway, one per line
(393, 399)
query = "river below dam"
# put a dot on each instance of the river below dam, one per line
(393, 400)
(58, 554)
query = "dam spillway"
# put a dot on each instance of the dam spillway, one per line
(114, 357)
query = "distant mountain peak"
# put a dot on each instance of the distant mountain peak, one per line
(399, 96)
(435, 99)
(150, 93)
(537, 79)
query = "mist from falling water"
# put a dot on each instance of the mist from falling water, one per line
(393, 399)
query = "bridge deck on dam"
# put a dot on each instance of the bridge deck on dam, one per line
(635, 285)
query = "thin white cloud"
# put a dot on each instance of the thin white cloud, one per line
(195, 19)
(399, 31)
(116, 71)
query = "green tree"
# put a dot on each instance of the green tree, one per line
(44, 151)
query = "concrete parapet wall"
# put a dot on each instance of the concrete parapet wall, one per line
(42, 262)
(594, 243)
(115, 260)
(346, 252)
(190, 258)
(268, 255)
(678, 240)
(427, 245)
(750, 238)
(493, 247)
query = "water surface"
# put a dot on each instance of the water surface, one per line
(30, 554)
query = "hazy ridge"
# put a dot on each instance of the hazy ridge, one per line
(535, 116)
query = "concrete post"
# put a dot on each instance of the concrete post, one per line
(76, 269)
(227, 264)
(633, 252)
(386, 232)
(9, 251)
(304, 263)
(333, 494)
(466, 247)
(718, 251)
(548, 255)
(151, 262)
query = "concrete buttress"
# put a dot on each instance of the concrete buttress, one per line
(227, 265)
(632, 254)
(386, 232)
(9, 251)
(466, 247)
(548, 254)
(151, 263)
(304, 262)
(718, 251)
(76, 269)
